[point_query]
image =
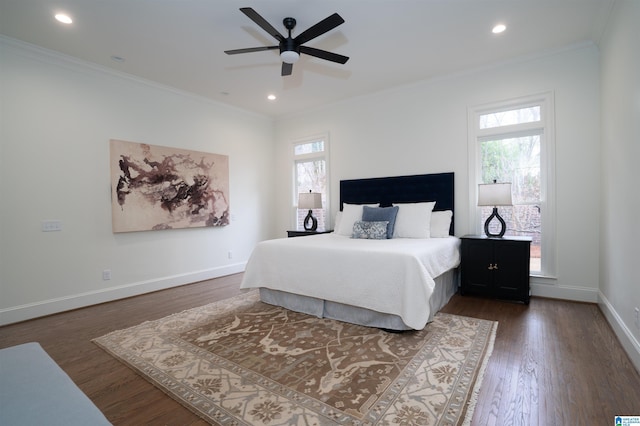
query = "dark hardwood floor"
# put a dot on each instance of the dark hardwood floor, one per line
(554, 362)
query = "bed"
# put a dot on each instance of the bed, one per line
(396, 283)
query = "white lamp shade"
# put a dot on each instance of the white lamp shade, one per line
(494, 194)
(309, 200)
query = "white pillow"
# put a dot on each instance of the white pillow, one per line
(440, 223)
(413, 220)
(351, 213)
(336, 223)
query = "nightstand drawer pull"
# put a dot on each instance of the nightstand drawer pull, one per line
(492, 266)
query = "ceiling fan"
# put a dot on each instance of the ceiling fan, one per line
(291, 48)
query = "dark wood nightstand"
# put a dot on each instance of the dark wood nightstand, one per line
(306, 233)
(495, 267)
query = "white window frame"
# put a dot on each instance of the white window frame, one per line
(547, 166)
(324, 155)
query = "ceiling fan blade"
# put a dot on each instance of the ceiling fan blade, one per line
(318, 29)
(262, 23)
(323, 54)
(249, 49)
(286, 69)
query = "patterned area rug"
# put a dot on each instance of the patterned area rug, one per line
(243, 362)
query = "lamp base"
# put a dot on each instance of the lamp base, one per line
(310, 226)
(503, 225)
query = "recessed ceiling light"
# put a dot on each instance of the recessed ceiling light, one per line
(499, 29)
(64, 18)
(272, 97)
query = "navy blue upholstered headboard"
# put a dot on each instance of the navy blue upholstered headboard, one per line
(438, 187)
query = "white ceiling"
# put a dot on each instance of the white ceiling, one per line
(181, 43)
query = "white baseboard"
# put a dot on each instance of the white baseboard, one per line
(61, 304)
(626, 338)
(544, 288)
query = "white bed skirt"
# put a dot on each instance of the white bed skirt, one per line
(446, 286)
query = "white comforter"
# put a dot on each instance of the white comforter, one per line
(393, 276)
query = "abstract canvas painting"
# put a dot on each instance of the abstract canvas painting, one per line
(155, 187)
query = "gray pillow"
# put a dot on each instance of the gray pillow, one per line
(381, 214)
(370, 230)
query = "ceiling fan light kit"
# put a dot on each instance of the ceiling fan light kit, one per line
(289, 56)
(291, 48)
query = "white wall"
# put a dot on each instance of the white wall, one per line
(58, 116)
(619, 277)
(422, 128)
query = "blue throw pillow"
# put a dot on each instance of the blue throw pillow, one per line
(381, 214)
(370, 230)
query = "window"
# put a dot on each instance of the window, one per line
(310, 165)
(513, 142)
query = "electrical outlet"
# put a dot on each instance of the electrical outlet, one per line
(106, 274)
(636, 311)
(230, 254)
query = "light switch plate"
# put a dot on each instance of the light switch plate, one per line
(51, 225)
